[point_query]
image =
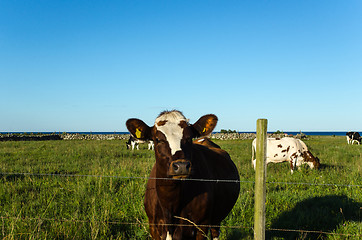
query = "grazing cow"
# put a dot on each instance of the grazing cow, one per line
(287, 149)
(134, 142)
(353, 137)
(180, 200)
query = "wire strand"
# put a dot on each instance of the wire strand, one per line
(172, 179)
(175, 225)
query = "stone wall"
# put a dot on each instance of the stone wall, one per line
(244, 136)
(77, 136)
(233, 136)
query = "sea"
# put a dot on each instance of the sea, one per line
(321, 133)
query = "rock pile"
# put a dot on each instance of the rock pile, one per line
(244, 136)
(77, 136)
(233, 136)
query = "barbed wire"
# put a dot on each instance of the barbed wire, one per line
(184, 225)
(173, 179)
(176, 225)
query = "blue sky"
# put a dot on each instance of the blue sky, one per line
(91, 65)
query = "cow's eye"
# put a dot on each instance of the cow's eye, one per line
(187, 141)
(158, 140)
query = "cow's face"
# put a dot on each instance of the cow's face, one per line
(309, 158)
(172, 136)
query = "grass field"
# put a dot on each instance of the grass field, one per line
(77, 191)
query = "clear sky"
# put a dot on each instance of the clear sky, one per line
(91, 65)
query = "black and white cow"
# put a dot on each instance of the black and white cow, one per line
(353, 137)
(287, 149)
(134, 142)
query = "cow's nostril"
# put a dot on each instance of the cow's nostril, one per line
(188, 165)
(175, 167)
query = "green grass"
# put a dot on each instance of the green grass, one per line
(95, 204)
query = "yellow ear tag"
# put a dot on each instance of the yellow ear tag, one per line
(204, 130)
(138, 133)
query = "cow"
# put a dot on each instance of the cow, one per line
(353, 137)
(193, 185)
(134, 142)
(287, 149)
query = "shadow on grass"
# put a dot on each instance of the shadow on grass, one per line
(316, 214)
(328, 167)
(120, 230)
(237, 234)
(11, 177)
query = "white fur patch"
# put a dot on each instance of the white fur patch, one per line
(171, 129)
(168, 237)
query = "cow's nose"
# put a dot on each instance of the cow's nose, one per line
(180, 168)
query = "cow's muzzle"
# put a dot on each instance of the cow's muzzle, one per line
(180, 168)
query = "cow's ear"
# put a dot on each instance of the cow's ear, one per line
(139, 129)
(205, 125)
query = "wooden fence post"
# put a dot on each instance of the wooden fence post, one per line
(260, 175)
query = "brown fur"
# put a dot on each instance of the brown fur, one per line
(168, 202)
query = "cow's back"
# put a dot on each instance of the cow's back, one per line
(280, 149)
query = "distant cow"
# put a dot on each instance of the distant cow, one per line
(134, 142)
(287, 149)
(177, 206)
(353, 137)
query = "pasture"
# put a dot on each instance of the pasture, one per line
(92, 189)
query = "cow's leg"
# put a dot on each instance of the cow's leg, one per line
(151, 145)
(202, 233)
(291, 167)
(155, 231)
(293, 164)
(168, 237)
(215, 232)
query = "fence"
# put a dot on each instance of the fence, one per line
(183, 225)
(203, 180)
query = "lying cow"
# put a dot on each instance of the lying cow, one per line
(177, 206)
(287, 149)
(134, 142)
(353, 137)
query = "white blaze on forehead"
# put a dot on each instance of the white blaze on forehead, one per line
(171, 129)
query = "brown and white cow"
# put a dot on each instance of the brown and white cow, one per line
(176, 200)
(288, 149)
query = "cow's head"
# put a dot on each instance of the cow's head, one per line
(312, 161)
(172, 136)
